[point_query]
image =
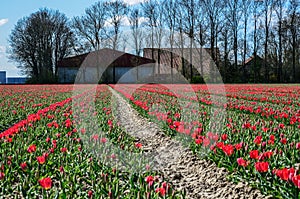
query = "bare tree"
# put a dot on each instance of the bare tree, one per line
(226, 44)
(256, 15)
(213, 10)
(267, 12)
(201, 34)
(170, 15)
(189, 10)
(179, 40)
(91, 26)
(116, 11)
(153, 12)
(294, 30)
(137, 33)
(150, 13)
(37, 42)
(64, 39)
(234, 17)
(246, 5)
(279, 5)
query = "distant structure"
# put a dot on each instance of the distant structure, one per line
(11, 80)
(177, 60)
(105, 66)
(156, 65)
(16, 80)
(254, 69)
(2, 77)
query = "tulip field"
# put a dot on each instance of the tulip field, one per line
(47, 146)
(42, 154)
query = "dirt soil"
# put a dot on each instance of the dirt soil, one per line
(185, 170)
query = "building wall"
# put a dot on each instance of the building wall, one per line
(67, 74)
(123, 74)
(16, 80)
(2, 77)
(201, 60)
(133, 74)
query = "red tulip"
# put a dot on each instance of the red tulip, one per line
(149, 180)
(161, 191)
(31, 148)
(138, 145)
(283, 174)
(198, 141)
(41, 159)
(271, 142)
(46, 183)
(228, 149)
(272, 137)
(224, 137)
(283, 141)
(257, 140)
(51, 150)
(2, 175)
(254, 154)
(268, 154)
(206, 142)
(61, 169)
(23, 165)
(281, 125)
(90, 194)
(103, 140)
(296, 180)
(242, 162)
(220, 145)
(95, 137)
(298, 145)
(113, 156)
(64, 150)
(262, 166)
(147, 167)
(239, 146)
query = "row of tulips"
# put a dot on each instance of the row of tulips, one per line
(287, 113)
(280, 94)
(54, 153)
(262, 150)
(18, 102)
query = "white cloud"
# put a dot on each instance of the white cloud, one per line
(124, 21)
(3, 21)
(133, 2)
(108, 23)
(2, 49)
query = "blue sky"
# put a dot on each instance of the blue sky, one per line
(13, 10)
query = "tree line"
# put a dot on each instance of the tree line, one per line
(234, 30)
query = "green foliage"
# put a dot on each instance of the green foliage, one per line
(197, 80)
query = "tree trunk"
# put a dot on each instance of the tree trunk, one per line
(266, 50)
(212, 51)
(245, 50)
(279, 77)
(294, 57)
(191, 58)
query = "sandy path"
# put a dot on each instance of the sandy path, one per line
(200, 178)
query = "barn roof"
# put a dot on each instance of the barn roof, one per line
(122, 59)
(74, 61)
(247, 61)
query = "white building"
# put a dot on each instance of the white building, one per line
(106, 66)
